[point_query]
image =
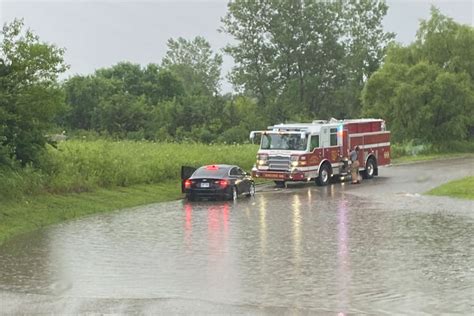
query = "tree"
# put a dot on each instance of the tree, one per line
(300, 58)
(123, 113)
(425, 91)
(195, 64)
(83, 96)
(30, 97)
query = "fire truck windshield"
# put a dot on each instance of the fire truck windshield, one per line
(283, 141)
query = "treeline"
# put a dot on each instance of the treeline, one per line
(425, 91)
(294, 61)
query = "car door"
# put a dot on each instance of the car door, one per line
(243, 181)
(186, 173)
(236, 179)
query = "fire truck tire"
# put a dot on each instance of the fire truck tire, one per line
(370, 166)
(324, 175)
(280, 184)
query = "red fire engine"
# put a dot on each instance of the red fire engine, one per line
(320, 150)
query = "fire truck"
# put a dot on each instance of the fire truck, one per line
(320, 150)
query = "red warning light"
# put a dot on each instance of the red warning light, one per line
(212, 167)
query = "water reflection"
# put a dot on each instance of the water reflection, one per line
(188, 225)
(309, 250)
(343, 257)
(296, 230)
(263, 224)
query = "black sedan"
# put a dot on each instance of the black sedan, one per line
(217, 182)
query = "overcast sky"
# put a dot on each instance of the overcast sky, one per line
(102, 33)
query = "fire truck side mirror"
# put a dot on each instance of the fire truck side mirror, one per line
(303, 135)
(252, 135)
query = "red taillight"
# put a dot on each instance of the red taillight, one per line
(187, 184)
(223, 183)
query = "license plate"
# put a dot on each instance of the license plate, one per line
(204, 185)
(274, 176)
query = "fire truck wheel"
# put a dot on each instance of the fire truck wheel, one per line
(370, 166)
(324, 175)
(280, 184)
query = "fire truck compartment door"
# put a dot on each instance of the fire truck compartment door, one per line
(324, 137)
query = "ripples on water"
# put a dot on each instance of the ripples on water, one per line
(298, 250)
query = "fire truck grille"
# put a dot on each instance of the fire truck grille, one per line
(278, 163)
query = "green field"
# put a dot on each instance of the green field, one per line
(462, 188)
(84, 166)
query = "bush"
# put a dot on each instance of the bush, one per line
(411, 148)
(17, 183)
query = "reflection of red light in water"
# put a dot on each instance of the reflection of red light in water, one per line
(218, 225)
(225, 217)
(188, 226)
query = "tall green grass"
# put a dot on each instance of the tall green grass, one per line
(14, 184)
(413, 148)
(81, 166)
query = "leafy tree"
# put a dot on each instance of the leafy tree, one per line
(128, 77)
(30, 97)
(83, 96)
(126, 93)
(195, 64)
(161, 84)
(302, 58)
(123, 113)
(425, 91)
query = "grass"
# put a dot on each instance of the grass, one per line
(31, 213)
(462, 188)
(412, 152)
(84, 166)
(427, 157)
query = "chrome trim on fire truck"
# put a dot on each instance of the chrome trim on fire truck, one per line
(374, 145)
(368, 133)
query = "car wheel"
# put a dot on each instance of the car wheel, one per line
(235, 194)
(280, 184)
(251, 190)
(324, 175)
(369, 171)
(190, 197)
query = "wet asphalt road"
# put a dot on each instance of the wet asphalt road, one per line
(377, 248)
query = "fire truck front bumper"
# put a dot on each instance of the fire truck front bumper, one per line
(282, 175)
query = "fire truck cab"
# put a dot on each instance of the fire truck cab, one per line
(320, 150)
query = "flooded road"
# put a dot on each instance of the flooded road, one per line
(376, 248)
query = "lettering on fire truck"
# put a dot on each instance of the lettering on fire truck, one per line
(320, 150)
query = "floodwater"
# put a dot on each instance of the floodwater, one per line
(377, 248)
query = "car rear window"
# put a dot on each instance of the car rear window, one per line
(203, 172)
